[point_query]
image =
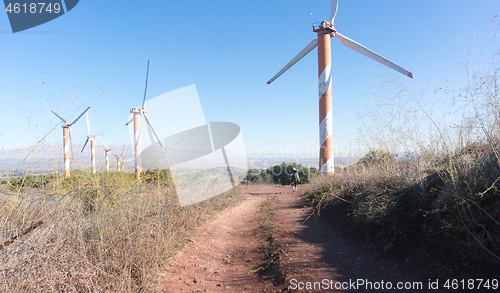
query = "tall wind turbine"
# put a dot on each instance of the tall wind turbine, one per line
(106, 153)
(325, 30)
(66, 141)
(137, 112)
(92, 146)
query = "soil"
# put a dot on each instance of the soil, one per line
(226, 254)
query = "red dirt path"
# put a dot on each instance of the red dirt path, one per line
(225, 253)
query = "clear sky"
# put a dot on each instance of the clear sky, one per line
(229, 49)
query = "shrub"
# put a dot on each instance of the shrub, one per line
(157, 177)
(33, 180)
(254, 175)
(257, 176)
(281, 173)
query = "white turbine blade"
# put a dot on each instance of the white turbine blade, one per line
(370, 54)
(85, 144)
(146, 88)
(122, 151)
(130, 121)
(151, 136)
(104, 143)
(63, 120)
(299, 56)
(333, 10)
(151, 126)
(88, 123)
(78, 118)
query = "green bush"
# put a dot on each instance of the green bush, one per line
(254, 175)
(78, 179)
(257, 176)
(281, 173)
(158, 177)
(34, 181)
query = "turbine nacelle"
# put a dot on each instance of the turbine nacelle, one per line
(140, 111)
(324, 25)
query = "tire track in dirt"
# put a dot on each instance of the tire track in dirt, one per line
(317, 252)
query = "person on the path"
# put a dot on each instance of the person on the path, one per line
(294, 179)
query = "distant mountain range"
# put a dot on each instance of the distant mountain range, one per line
(48, 158)
(256, 162)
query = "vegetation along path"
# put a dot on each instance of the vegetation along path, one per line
(271, 243)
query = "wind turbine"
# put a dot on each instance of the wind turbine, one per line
(123, 163)
(325, 30)
(119, 160)
(92, 146)
(67, 133)
(137, 112)
(106, 153)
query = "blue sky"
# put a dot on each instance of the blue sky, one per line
(229, 49)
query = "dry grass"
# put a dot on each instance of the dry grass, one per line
(451, 198)
(102, 233)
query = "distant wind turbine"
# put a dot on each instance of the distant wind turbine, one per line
(325, 31)
(92, 146)
(66, 141)
(106, 153)
(137, 112)
(123, 163)
(119, 160)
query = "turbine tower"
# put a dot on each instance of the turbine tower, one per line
(137, 112)
(66, 140)
(106, 153)
(325, 31)
(92, 146)
(118, 163)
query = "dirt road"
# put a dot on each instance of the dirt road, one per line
(224, 256)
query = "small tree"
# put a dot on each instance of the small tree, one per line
(376, 157)
(282, 173)
(254, 175)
